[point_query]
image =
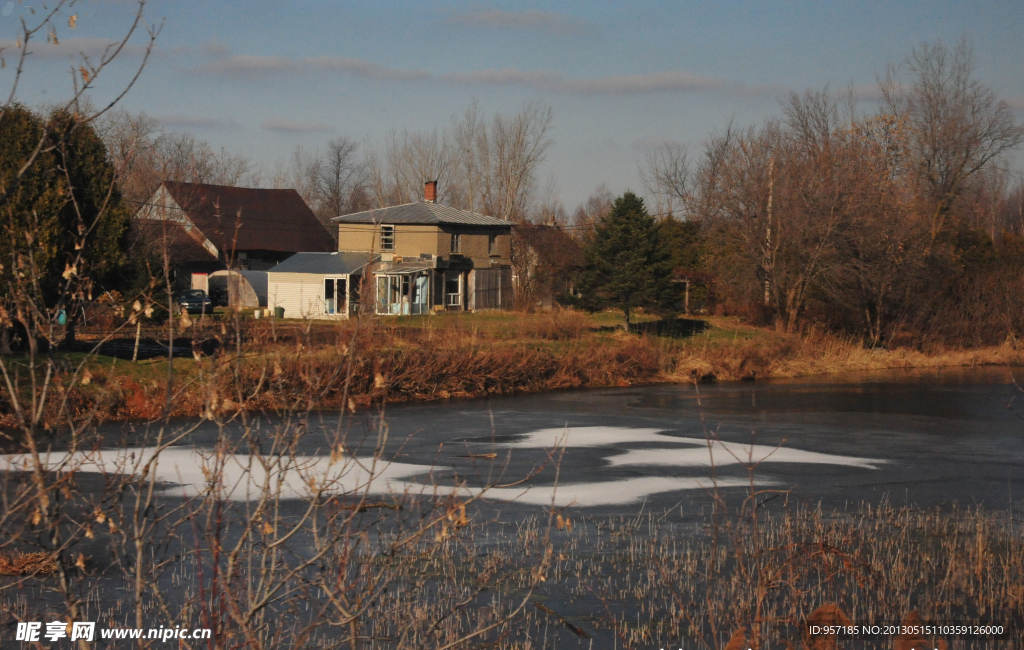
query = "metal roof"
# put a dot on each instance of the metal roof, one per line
(323, 263)
(423, 212)
(242, 219)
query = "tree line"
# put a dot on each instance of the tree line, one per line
(898, 225)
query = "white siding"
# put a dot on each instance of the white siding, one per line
(301, 295)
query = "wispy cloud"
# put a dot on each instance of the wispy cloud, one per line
(655, 82)
(363, 68)
(529, 19)
(505, 77)
(243, 66)
(214, 48)
(194, 122)
(289, 126)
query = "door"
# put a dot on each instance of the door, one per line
(335, 293)
(453, 290)
(329, 296)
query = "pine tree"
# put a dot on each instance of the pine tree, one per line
(627, 264)
(63, 225)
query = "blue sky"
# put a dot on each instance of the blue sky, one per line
(261, 77)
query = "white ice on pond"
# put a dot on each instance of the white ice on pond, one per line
(697, 452)
(189, 472)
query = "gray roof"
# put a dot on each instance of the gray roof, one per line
(323, 263)
(422, 213)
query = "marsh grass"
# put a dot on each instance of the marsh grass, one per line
(663, 585)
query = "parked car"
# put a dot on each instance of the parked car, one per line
(195, 301)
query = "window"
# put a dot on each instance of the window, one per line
(456, 242)
(492, 245)
(387, 238)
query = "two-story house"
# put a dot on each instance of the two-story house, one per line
(432, 257)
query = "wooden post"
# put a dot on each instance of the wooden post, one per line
(686, 304)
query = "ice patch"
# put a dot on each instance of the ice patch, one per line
(242, 477)
(605, 493)
(732, 453)
(575, 437)
(696, 454)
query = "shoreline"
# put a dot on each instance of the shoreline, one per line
(425, 363)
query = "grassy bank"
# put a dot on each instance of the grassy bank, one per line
(261, 364)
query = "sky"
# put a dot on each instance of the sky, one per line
(259, 77)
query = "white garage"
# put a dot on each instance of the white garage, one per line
(317, 285)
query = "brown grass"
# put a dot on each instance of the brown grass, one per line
(24, 564)
(471, 356)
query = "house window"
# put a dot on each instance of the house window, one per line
(492, 245)
(387, 238)
(456, 242)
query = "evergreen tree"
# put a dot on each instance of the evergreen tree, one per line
(63, 225)
(627, 264)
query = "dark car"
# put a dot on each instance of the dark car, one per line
(195, 301)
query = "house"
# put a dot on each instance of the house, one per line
(208, 228)
(432, 257)
(319, 286)
(549, 260)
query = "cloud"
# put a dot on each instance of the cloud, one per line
(506, 77)
(1016, 103)
(244, 65)
(654, 82)
(195, 122)
(640, 84)
(214, 48)
(363, 68)
(530, 19)
(288, 126)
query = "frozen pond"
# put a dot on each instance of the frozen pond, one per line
(926, 438)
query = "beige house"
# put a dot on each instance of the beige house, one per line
(432, 257)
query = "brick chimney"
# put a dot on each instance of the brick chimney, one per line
(430, 191)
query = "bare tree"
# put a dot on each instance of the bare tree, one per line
(396, 172)
(480, 166)
(956, 124)
(517, 147)
(588, 213)
(339, 174)
(666, 173)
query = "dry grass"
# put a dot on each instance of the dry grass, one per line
(764, 581)
(26, 564)
(472, 355)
